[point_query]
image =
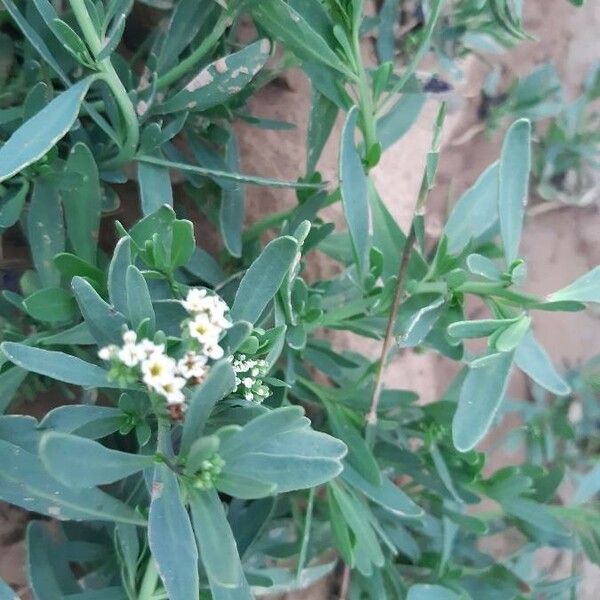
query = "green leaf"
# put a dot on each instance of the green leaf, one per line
(511, 337)
(283, 23)
(475, 213)
(228, 175)
(513, 187)
(37, 135)
(70, 266)
(232, 208)
(202, 265)
(477, 329)
(52, 305)
(399, 119)
(154, 182)
(6, 592)
(323, 113)
(359, 454)
(264, 277)
(84, 420)
(103, 321)
(117, 271)
(183, 243)
(424, 591)
(25, 482)
(584, 289)
(45, 230)
(10, 381)
(483, 266)
(82, 203)
(71, 42)
(353, 185)
(532, 359)
(90, 463)
(279, 447)
(216, 543)
(57, 365)
(78, 335)
(481, 394)
(216, 83)
(219, 382)
(387, 494)
(415, 330)
(12, 205)
(171, 538)
(139, 300)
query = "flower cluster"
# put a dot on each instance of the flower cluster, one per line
(248, 373)
(149, 362)
(210, 469)
(207, 321)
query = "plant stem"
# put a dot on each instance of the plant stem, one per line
(148, 585)
(109, 75)
(345, 584)
(367, 107)
(196, 56)
(389, 334)
(306, 534)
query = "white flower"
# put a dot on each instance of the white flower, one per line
(248, 382)
(129, 337)
(192, 365)
(148, 347)
(171, 390)
(157, 370)
(203, 330)
(195, 300)
(108, 352)
(130, 355)
(214, 351)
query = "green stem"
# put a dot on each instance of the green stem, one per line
(197, 55)
(148, 585)
(108, 73)
(367, 106)
(306, 534)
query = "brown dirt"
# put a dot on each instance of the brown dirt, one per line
(558, 245)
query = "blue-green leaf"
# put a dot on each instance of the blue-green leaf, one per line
(25, 482)
(220, 80)
(171, 538)
(513, 185)
(6, 592)
(532, 359)
(584, 289)
(399, 119)
(323, 113)
(57, 365)
(84, 420)
(264, 277)
(424, 591)
(475, 213)
(155, 187)
(139, 301)
(117, 271)
(10, 381)
(481, 394)
(45, 230)
(232, 209)
(37, 135)
(216, 543)
(219, 382)
(388, 495)
(12, 205)
(353, 184)
(82, 203)
(104, 322)
(52, 305)
(90, 463)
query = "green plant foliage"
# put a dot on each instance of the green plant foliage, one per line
(212, 440)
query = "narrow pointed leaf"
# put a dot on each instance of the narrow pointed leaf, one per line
(513, 182)
(57, 365)
(37, 135)
(90, 463)
(353, 184)
(481, 394)
(264, 278)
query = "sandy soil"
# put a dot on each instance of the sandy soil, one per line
(558, 245)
